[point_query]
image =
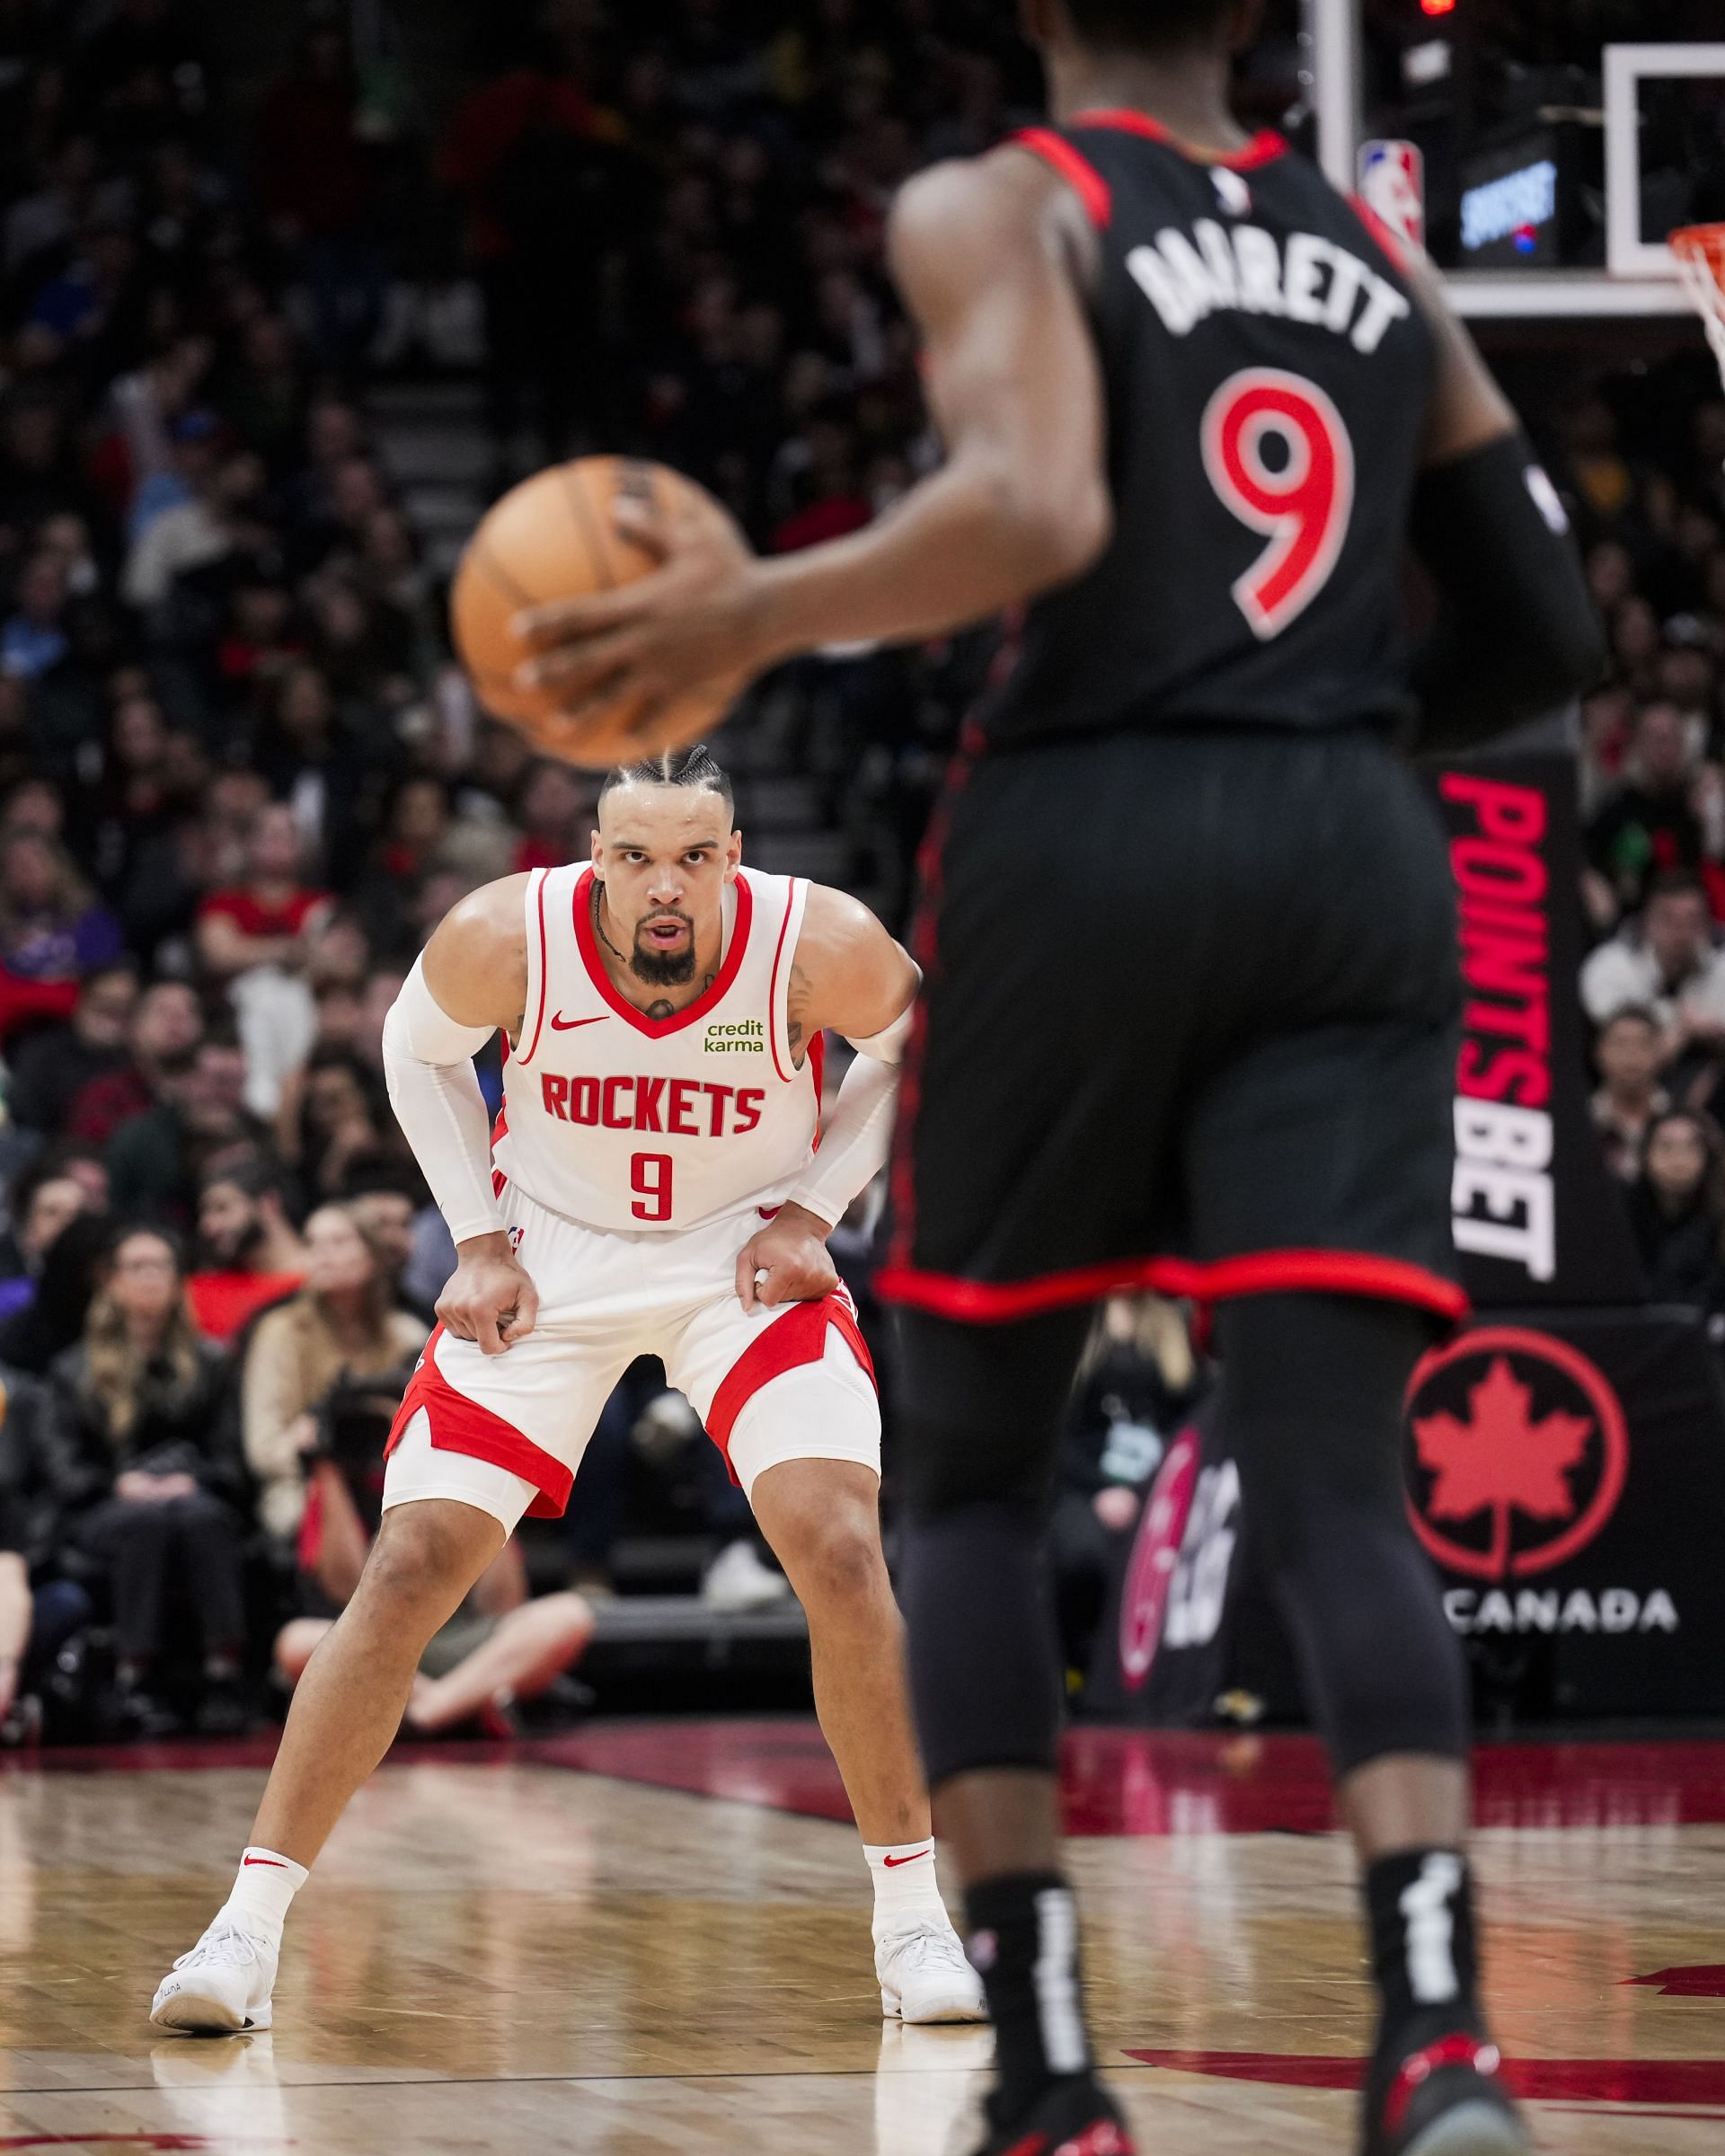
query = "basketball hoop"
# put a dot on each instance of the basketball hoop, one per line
(1700, 250)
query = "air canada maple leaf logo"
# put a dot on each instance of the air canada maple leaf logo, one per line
(1518, 1453)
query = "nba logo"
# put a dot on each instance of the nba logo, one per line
(1392, 185)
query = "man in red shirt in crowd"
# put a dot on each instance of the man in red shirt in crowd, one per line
(255, 1257)
(262, 920)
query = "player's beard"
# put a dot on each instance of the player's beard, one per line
(664, 968)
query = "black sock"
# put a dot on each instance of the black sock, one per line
(1421, 1908)
(1024, 1940)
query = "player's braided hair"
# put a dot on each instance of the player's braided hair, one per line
(695, 767)
(1148, 25)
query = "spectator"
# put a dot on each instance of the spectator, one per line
(167, 1025)
(1677, 1208)
(51, 928)
(158, 1160)
(256, 937)
(1138, 1379)
(392, 1215)
(51, 1068)
(34, 639)
(1665, 962)
(1648, 825)
(262, 920)
(334, 1118)
(254, 1257)
(498, 1647)
(147, 1496)
(343, 1324)
(224, 513)
(1629, 1095)
(53, 1319)
(44, 1200)
(318, 170)
(556, 813)
(38, 1615)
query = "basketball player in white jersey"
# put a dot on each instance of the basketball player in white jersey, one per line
(652, 1187)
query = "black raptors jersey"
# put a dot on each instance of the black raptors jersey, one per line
(1267, 377)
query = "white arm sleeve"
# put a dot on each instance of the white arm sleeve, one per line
(858, 1135)
(434, 1089)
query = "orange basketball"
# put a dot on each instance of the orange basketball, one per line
(554, 537)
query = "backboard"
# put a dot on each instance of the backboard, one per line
(1561, 141)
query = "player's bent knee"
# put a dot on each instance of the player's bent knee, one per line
(425, 1549)
(836, 1560)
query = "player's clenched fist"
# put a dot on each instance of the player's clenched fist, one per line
(790, 1251)
(489, 1298)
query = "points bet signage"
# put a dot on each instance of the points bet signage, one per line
(1534, 1217)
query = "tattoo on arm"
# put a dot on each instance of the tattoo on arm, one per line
(795, 1026)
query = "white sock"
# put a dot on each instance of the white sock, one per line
(263, 1887)
(906, 1893)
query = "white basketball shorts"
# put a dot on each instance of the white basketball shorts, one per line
(505, 1432)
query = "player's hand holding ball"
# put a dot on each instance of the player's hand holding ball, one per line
(791, 1252)
(489, 1298)
(604, 607)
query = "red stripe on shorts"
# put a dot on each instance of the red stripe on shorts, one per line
(460, 1425)
(797, 1338)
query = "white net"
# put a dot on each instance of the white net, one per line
(1700, 250)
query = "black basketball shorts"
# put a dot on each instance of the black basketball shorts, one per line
(1189, 1023)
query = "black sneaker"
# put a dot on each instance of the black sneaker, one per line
(1447, 2101)
(1075, 2118)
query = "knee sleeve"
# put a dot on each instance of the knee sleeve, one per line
(981, 1421)
(1312, 1393)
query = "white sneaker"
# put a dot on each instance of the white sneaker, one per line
(736, 1581)
(925, 1977)
(222, 1985)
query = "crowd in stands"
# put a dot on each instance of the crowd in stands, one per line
(241, 780)
(1650, 499)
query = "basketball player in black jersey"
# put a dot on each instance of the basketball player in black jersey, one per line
(1190, 1008)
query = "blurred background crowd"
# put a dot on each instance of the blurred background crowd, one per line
(285, 297)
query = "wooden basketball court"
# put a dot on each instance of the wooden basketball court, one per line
(653, 1937)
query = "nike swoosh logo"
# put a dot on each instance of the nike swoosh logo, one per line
(560, 1024)
(277, 1863)
(892, 1863)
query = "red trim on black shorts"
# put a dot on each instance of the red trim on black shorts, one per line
(1074, 167)
(1255, 1273)
(656, 1029)
(797, 1338)
(1264, 148)
(460, 1425)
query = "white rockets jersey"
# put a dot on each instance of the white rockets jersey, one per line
(623, 1121)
